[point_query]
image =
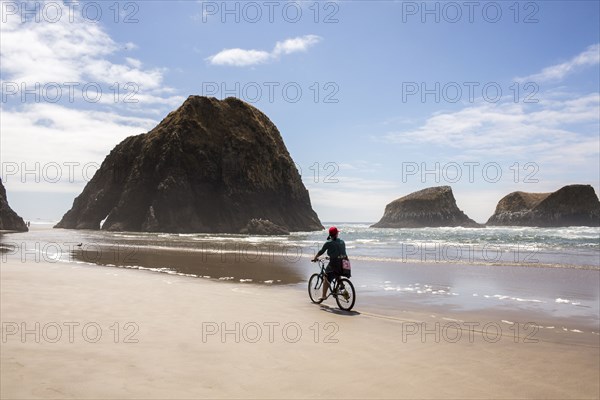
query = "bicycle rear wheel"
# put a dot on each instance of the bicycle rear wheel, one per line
(346, 296)
(315, 288)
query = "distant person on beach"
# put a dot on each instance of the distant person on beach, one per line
(336, 250)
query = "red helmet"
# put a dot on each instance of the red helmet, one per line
(333, 231)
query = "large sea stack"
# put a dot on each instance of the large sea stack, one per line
(573, 205)
(431, 207)
(9, 220)
(209, 166)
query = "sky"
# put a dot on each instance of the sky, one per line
(374, 99)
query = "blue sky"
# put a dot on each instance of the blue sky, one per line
(381, 98)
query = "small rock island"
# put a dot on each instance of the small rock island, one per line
(572, 205)
(431, 207)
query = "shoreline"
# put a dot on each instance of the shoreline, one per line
(555, 296)
(512, 248)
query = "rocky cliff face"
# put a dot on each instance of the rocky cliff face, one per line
(9, 220)
(573, 205)
(209, 166)
(431, 207)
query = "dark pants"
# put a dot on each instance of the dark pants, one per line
(333, 269)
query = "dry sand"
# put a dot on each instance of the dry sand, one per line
(168, 345)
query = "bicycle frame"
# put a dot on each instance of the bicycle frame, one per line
(323, 275)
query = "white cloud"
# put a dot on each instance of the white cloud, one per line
(45, 134)
(243, 58)
(70, 50)
(589, 57)
(294, 45)
(82, 52)
(54, 130)
(134, 62)
(239, 57)
(514, 128)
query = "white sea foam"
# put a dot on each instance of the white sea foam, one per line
(505, 297)
(567, 301)
(527, 300)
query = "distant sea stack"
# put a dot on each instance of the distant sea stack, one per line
(573, 205)
(431, 207)
(9, 220)
(210, 166)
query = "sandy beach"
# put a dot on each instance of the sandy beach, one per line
(71, 331)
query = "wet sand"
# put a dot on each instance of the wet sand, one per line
(261, 266)
(562, 299)
(119, 333)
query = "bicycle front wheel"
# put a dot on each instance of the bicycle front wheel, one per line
(315, 288)
(346, 296)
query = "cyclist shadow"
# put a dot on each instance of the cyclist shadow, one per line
(337, 311)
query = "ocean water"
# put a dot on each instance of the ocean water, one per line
(577, 247)
(569, 247)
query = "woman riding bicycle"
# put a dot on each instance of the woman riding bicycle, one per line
(336, 250)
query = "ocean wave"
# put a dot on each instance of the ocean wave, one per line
(569, 247)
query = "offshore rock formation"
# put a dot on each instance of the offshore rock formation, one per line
(573, 205)
(431, 207)
(209, 166)
(9, 220)
(263, 227)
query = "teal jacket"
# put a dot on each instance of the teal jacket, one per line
(334, 248)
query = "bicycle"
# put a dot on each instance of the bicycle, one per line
(344, 293)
